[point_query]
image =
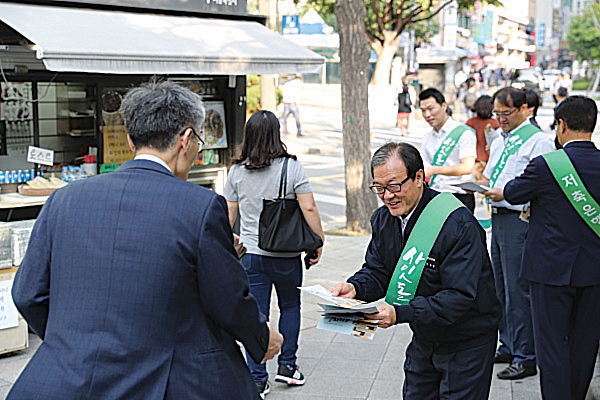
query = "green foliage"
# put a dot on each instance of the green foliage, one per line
(253, 94)
(324, 8)
(584, 34)
(581, 84)
(394, 15)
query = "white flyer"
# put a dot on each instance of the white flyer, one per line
(9, 316)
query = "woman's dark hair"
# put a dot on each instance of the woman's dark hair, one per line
(262, 141)
(484, 106)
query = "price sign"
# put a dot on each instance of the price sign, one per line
(40, 156)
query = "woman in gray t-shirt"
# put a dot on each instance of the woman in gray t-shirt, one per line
(253, 176)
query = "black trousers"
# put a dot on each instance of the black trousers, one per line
(566, 327)
(467, 199)
(465, 374)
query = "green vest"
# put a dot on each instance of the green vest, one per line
(447, 146)
(512, 145)
(572, 186)
(406, 276)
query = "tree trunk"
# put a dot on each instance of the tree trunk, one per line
(268, 99)
(354, 67)
(385, 57)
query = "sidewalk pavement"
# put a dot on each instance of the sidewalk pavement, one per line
(336, 366)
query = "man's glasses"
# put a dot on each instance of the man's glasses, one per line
(504, 114)
(392, 187)
(198, 137)
(195, 134)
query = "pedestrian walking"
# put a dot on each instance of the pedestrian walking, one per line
(428, 251)
(484, 125)
(561, 257)
(131, 278)
(291, 91)
(405, 105)
(449, 149)
(520, 143)
(255, 175)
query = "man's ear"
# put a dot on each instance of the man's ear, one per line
(419, 177)
(131, 145)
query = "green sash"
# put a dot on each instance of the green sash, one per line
(572, 186)
(409, 268)
(512, 145)
(443, 152)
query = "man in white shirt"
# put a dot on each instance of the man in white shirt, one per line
(519, 143)
(291, 91)
(445, 164)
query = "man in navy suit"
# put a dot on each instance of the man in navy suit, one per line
(562, 257)
(131, 278)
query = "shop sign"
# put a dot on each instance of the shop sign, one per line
(9, 317)
(222, 7)
(40, 156)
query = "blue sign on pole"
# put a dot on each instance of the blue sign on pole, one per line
(290, 25)
(541, 34)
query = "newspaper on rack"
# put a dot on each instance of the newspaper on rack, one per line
(343, 315)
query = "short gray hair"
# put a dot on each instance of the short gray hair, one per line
(403, 151)
(155, 113)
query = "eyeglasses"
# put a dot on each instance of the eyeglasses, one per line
(504, 114)
(392, 187)
(198, 137)
(195, 134)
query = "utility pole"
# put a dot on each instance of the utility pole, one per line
(268, 100)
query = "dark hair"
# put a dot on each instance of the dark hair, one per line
(562, 91)
(262, 141)
(483, 106)
(516, 96)
(432, 92)
(155, 113)
(408, 153)
(579, 113)
(533, 100)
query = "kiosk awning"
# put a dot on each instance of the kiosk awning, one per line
(113, 42)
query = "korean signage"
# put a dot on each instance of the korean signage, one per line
(235, 7)
(541, 33)
(290, 25)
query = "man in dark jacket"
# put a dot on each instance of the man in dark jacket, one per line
(454, 313)
(561, 256)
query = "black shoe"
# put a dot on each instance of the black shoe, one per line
(263, 388)
(290, 374)
(500, 358)
(300, 134)
(517, 371)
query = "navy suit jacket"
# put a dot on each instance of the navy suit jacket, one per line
(132, 282)
(560, 249)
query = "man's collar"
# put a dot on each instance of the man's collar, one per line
(152, 157)
(576, 140)
(447, 127)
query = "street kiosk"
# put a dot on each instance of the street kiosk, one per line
(65, 65)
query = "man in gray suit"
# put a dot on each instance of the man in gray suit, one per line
(131, 278)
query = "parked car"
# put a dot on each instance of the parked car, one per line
(549, 77)
(529, 78)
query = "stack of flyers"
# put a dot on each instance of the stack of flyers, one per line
(343, 315)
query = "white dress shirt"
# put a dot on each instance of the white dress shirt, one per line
(151, 157)
(466, 147)
(537, 145)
